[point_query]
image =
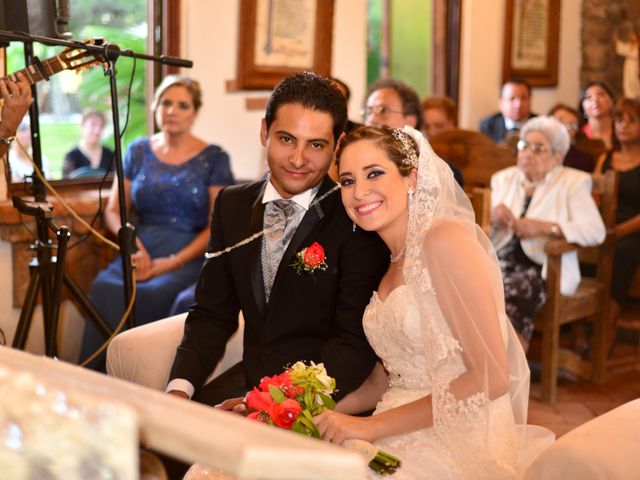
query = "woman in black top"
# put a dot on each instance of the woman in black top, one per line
(90, 156)
(626, 161)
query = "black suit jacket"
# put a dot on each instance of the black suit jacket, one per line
(494, 127)
(310, 316)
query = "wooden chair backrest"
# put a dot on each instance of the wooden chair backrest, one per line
(605, 193)
(476, 155)
(481, 202)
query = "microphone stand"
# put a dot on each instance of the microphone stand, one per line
(108, 54)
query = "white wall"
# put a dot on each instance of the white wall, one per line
(481, 60)
(210, 40)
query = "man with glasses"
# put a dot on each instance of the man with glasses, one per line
(395, 104)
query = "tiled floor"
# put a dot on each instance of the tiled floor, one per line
(580, 401)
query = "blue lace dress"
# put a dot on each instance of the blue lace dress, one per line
(170, 205)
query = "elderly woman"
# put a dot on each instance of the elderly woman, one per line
(531, 202)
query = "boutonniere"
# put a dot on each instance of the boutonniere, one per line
(310, 259)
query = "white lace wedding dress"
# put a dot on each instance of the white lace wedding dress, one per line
(395, 330)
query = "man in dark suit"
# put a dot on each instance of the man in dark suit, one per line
(515, 109)
(289, 316)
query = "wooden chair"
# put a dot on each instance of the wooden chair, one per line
(476, 155)
(590, 300)
(481, 202)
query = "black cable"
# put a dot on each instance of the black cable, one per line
(104, 177)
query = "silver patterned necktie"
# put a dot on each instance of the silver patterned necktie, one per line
(280, 223)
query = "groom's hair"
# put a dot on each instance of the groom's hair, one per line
(313, 92)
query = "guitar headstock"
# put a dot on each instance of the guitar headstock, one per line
(78, 58)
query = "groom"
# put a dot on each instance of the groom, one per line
(289, 316)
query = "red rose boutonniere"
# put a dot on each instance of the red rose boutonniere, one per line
(310, 259)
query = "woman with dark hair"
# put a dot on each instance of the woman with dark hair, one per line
(596, 108)
(171, 181)
(570, 118)
(626, 161)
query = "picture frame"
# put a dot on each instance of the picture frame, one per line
(532, 36)
(281, 37)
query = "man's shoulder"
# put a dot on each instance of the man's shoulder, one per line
(492, 119)
(242, 190)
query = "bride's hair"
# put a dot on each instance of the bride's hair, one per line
(387, 140)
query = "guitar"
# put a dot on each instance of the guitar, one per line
(69, 59)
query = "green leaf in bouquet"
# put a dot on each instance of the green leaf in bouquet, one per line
(312, 429)
(327, 401)
(276, 394)
(308, 398)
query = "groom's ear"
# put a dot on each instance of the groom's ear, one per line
(335, 147)
(263, 132)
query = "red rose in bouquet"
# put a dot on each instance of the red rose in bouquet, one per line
(291, 400)
(285, 413)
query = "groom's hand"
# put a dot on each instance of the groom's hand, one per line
(235, 405)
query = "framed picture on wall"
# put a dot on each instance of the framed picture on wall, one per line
(532, 34)
(280, 37)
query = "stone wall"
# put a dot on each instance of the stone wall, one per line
(602, 21)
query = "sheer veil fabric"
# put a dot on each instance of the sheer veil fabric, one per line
(452, 271)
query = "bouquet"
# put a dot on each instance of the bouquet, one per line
(291, 400)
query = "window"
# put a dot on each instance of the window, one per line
(63, 98)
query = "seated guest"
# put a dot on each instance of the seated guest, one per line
(515, 109)
(533, 201)
(596, 106)
(90, 153)
(171, 181)
(626, 161)
(570, 118)
(440, 115)
(20, 160)
(395, 104)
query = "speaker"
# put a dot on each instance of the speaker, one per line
(46, 18)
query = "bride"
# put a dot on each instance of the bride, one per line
(451, 394)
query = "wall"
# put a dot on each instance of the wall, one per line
(601, 23)
(210, 41)
(481, 60)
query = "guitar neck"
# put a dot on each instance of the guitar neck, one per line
(39, 70)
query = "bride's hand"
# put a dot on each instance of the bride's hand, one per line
(336, 427)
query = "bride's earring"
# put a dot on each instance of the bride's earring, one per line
(354, 226)
(410, 193)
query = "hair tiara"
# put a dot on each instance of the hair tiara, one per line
(410, 154)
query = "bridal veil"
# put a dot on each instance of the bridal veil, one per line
(452, 270)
